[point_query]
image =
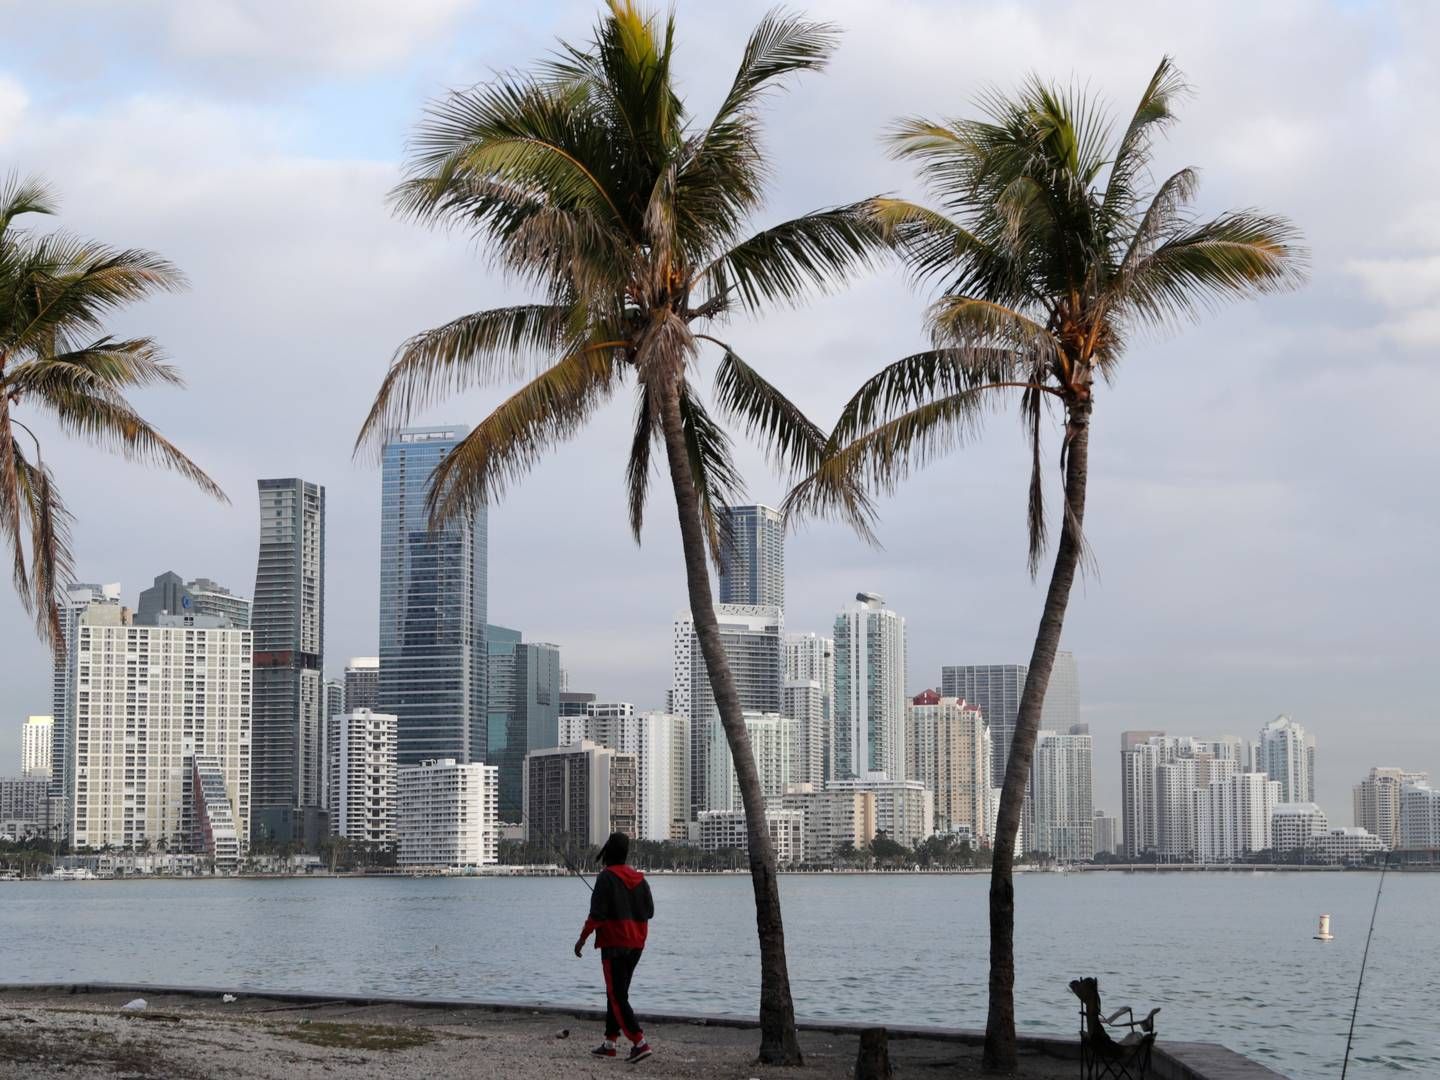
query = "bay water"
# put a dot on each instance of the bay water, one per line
(1229, 957)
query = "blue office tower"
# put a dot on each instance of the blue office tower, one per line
(432, 608)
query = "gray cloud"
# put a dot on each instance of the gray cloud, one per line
(1262, 505)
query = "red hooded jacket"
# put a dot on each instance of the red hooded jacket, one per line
(621, 908)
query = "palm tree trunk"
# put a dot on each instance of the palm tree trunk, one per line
(778, 1042)
(1000, 1054)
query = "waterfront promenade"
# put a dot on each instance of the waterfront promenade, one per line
(84, 1033)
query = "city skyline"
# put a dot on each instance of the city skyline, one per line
(1173, 632)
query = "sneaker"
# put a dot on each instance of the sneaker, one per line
(639, 1052)
(604, 1050)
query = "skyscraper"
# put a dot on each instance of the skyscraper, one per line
(1062, 811)
(753, 636)
(362, 682)
(360, 761)
(433, 660)
(997, 689)
(811, 658)
(524, 709)
(1287, 754)
(78, 598)
(948, 745)
(288, 624)
(754, 567)
(869, 690)
(35, 747)
(1233, 817)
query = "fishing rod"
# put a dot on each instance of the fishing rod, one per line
(565, 858)
(1365, 957)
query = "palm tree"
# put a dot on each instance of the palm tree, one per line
(55, 358)
(588, 182)
(1052, 252)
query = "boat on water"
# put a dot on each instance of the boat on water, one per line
(72, 873)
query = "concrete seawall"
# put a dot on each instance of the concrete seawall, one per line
(1172, 1060)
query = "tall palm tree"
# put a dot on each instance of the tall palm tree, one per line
(587, 181)
(56, 358)
(1052, 250)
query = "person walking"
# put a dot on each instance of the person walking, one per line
(621, 908)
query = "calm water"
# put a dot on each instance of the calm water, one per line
(1229, 957)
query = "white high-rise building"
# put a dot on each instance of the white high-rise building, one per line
(832, 819)
(948, 750)
(149, 700)
(1233, 817)
(1419, 817)
(904, 809)
(811, 658)
(1107, 834)
(753, 637)
(35, 746)
(447, 814)
(78, 598)
(1294, 826)
(1159, 774)
(1377, 801)
(721, 830)
(650, 737)
(869, 690)
(1062, 811)
(803, 700)
(361, 775)
(775, 745)
(1287, 755)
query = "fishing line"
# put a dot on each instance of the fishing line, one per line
(1363, 960)
(565, 857)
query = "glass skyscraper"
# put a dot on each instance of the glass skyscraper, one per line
(524, 709)
(432, 607)
(754, 565)
(997, 689)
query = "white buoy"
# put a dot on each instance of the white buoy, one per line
(1324, 934)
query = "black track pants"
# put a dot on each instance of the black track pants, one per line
(619, 965)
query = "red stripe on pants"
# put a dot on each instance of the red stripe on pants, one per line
(615, 1004)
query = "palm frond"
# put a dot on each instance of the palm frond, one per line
(107, 364)
(104, 419)
(637, 465)
(787, 262)
(913, 380)
(712, 467)
(61, 288)
(474, 350)
(504, 446)
(780, 46)
(13, 506)
(1238, 254)
(52, 563)
(1154, 112)
(24, 195)
(882, 458)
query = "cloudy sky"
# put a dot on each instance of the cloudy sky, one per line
(1263, 488)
